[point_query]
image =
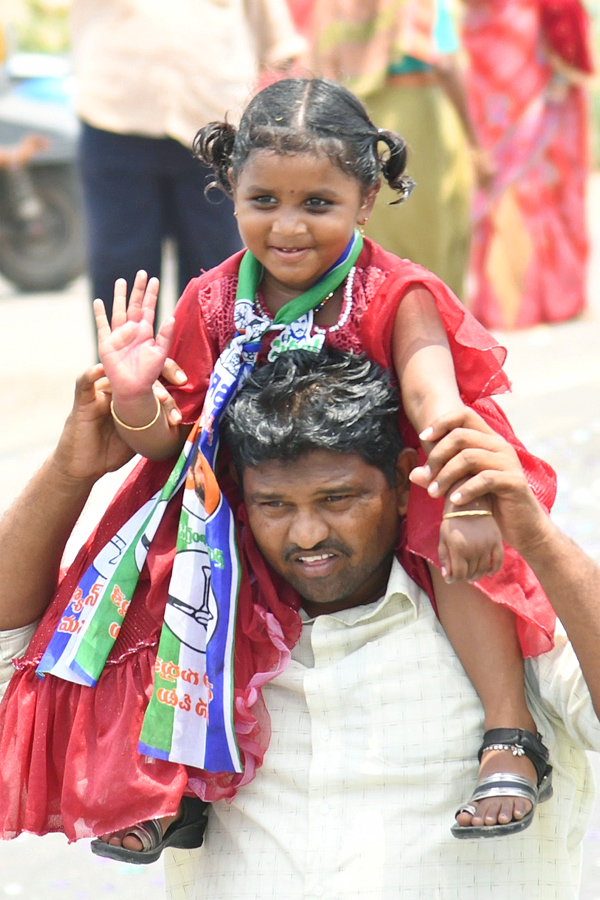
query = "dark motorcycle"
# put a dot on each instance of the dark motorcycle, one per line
(41, 224)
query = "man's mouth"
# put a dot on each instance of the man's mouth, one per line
(313, 558)
(319, 565)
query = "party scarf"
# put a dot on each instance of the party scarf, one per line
(190, 715)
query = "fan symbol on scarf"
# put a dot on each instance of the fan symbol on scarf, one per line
(193, 624)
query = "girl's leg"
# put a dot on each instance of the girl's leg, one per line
(484, 636)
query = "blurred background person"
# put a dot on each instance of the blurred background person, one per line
(528, 63)
(401, 59)
(148, 75)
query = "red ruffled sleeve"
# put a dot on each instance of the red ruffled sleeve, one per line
(478, 361)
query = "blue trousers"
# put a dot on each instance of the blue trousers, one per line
(138, 191)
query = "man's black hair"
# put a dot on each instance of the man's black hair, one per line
(305, 401)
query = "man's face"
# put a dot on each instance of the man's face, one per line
(328, 523)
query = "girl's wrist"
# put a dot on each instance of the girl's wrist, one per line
(135, 412)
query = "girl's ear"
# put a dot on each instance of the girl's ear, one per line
(230, 177)
(369, 198)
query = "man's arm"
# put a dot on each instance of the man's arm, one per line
(468, 448)
(34, 531)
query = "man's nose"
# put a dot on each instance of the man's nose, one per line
(307, 529)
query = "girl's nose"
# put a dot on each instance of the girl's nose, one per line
(289, 223)
(307, 529)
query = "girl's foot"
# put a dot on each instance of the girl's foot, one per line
(127, 839)
(143, 843)
(500, 810)
(514, 776)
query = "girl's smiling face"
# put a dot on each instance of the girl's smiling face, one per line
(296, 213)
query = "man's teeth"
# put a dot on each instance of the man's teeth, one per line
(310, 559)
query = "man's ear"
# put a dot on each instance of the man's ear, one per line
(407, 460)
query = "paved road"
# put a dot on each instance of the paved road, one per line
(45, 340)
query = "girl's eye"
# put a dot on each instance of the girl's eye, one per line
(264, 200)
(317, 203)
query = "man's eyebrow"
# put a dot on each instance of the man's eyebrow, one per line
(340, 487)
(264, 495)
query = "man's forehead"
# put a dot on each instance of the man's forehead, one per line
(314, 472)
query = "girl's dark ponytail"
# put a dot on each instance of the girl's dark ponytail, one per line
(393, 163)
(213, 146)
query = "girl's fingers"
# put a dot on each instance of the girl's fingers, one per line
(477, 568)
(150, 299)
(458, 567)
(119, 313)
(138, 291)
(445, 562)
(102, 326)
(496, 559)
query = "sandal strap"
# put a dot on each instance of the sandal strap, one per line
(149, 833)
(505, 784)
(193, 811)
(522, 743)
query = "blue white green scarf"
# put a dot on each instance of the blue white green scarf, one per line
(190, 715)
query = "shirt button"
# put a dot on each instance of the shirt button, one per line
(324, 809)
(319, 890)
(326, 734)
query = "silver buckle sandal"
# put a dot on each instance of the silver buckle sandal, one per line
(507, 784)
(185, 833)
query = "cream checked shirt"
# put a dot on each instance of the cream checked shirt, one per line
(375, 736)
(12, 644)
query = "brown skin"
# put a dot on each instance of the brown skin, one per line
(328, 524)
(296, 212)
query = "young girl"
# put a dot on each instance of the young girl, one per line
(304, 170)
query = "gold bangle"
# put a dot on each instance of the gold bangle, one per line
(136, 427)
(467, 512)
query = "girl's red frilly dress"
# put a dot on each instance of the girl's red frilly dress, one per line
(69, 753)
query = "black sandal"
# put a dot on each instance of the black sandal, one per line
(506, 784)
(185, 833)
